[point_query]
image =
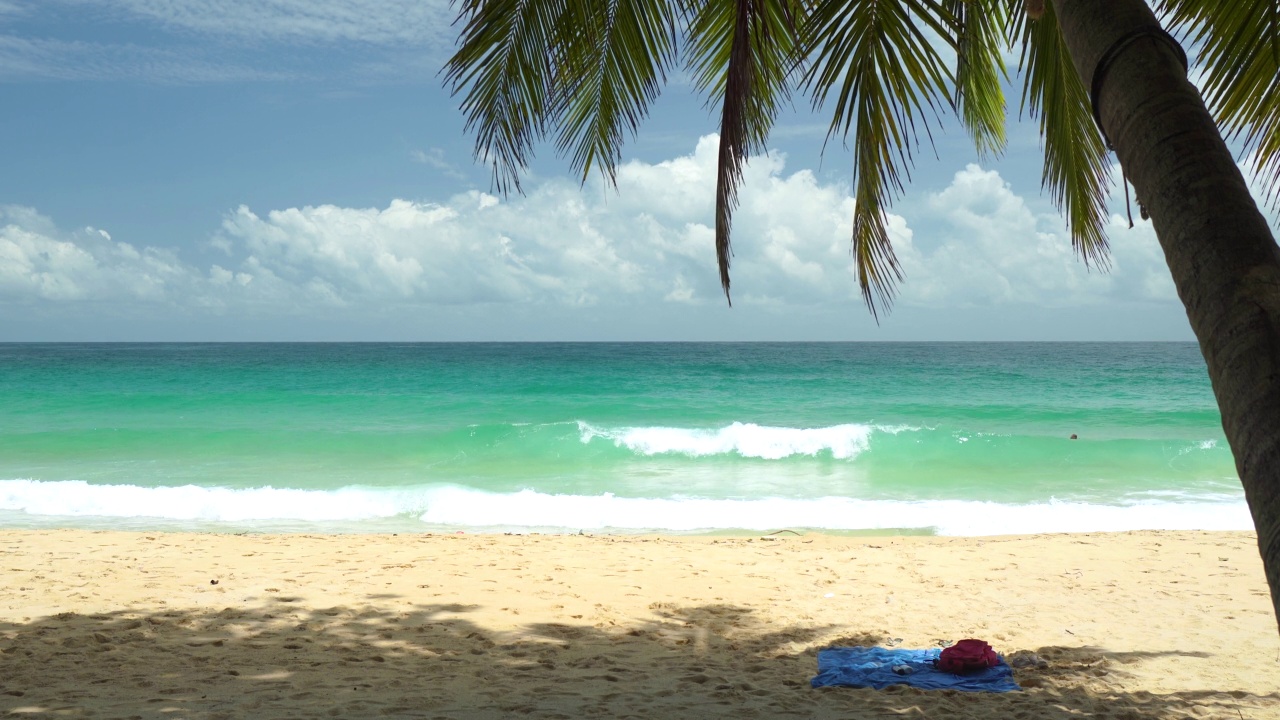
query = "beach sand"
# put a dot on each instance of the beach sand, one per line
(115, 625)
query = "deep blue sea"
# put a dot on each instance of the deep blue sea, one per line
(947, 438)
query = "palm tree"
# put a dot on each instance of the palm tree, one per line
(584, 72)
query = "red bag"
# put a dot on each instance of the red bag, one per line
(968, 656)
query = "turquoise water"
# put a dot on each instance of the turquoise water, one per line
(954, 438)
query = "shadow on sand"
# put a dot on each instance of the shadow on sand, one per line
(435, 661)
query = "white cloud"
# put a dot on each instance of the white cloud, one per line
(39, 264)
(435, 158)
(1264, 194)
(991, 248)
(204, 41)
(379, 22)
(648, 245)
(52, 59)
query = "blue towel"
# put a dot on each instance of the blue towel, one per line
(873, 667)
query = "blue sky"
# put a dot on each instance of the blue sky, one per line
(293, 170)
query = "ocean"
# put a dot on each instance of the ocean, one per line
(932, 438)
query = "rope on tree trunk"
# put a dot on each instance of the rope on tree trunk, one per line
(1100, 74)
(1108, 57)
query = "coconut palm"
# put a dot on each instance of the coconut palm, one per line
(583, 73)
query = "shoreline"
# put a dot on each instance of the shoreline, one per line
(940, 518)
(105, 622)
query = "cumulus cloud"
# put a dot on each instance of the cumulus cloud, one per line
(650, 244)
(38, 263)
(989, 247)
(1264, 191)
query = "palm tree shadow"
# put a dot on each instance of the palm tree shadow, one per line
(438, 661)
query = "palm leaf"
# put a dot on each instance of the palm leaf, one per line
(890, 83)
(504, 72)
(741, 53)
(1239, 47)
(980, 71)
(1075, 158)
(611, 61)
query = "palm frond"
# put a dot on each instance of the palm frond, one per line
(980, 71)
(1075, 159)
(504, 72)
(890, 84)
(1239, 47)
(611, 61)
(741, 53)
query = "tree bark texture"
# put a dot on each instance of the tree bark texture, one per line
(1224, 260)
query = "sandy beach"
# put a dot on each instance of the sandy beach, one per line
(149, 625)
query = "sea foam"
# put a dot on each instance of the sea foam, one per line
(74, 498)
(459, 507)
(745, 439)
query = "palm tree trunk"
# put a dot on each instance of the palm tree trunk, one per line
(1225, 263)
